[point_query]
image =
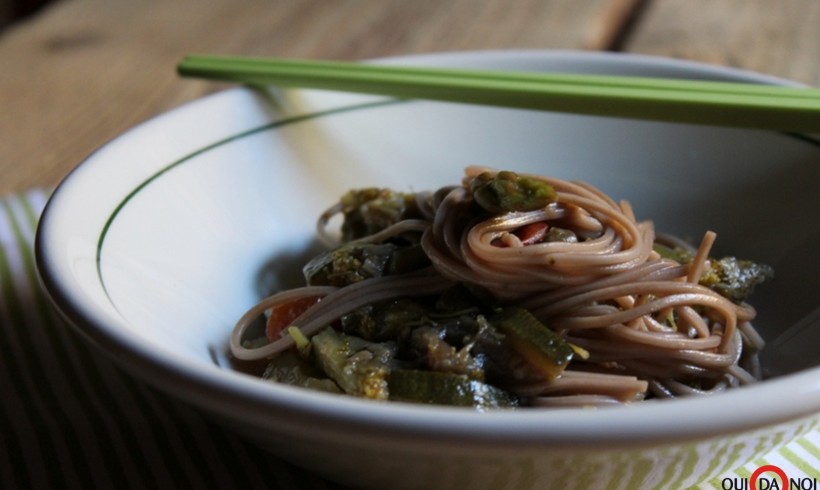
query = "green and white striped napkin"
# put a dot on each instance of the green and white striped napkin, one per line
(71, 419)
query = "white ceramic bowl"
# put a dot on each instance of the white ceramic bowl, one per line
(157, 243)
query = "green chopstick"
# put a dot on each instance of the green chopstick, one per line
(742, 105)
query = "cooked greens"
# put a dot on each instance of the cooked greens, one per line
(731, 277)
(735, 278)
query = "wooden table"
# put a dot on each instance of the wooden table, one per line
(82, 71)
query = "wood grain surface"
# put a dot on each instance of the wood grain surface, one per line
(82, 71)
(779, 38)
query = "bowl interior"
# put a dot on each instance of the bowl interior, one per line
(164, 237)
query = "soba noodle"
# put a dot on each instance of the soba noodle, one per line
(641, 325)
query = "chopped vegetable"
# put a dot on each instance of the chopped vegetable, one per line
(360, 368)
(384, 321)
(446, 389)
(543, 349)
(673, 253)
(556, 234)
(367, 211)
(440, 356)
(302, 342)
(735, 279)
(408, 258)
(349, 264)
(507, 191)
(292, 369)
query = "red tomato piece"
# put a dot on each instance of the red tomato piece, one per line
(282, 316)
(532, 233)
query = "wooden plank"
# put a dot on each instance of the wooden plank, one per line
(85, 70)
(779, 37)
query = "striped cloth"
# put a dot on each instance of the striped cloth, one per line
(71, 419)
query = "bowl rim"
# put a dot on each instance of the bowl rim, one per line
(235, 395)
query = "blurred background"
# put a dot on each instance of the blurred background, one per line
(75, 73)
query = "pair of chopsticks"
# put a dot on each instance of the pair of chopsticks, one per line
(742, 105)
